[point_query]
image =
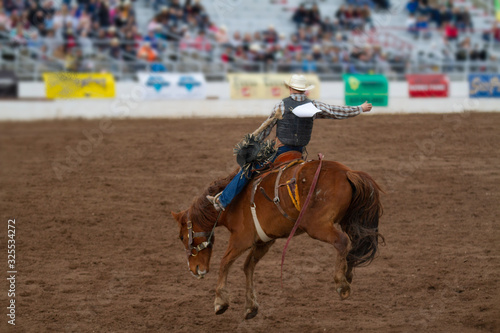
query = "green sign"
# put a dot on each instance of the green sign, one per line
(361, 88)
(497, 9)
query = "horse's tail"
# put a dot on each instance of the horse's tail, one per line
(360, 221)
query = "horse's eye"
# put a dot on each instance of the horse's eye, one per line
(182, 238)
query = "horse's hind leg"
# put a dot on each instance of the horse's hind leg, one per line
(258, 251)
(327, 233)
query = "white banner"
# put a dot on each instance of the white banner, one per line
(173, 85)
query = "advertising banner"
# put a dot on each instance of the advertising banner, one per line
(361, 88)
(79, 85)
(173, 85)
(497, 10)
(428, 85)
(8, 84)
(484, 85)
(267, 86)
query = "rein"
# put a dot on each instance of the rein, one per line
(306, 203)
(192, 235)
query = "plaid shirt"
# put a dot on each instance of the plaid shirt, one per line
(326, 111)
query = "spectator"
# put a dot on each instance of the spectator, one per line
(146, 52)
(294, 45)
(382, 4)
(314, 15)
(115, 50)
(221, 36)
(186, 43)
(435, 16)
(478, 54)
(227, 55)
(32, 11)
(247, 41)
(451, 31)
(152, 40)
(300, 15)
(366, 17)
(422, 26)
(423, 8)
(94, 31)
(85, 44)
(128, 52)
(446, 15)
(51, 41)
(73, 60)
(236, 40)
(103, 15)
(411, 25)
(270, 35)
(4, 20)
(63, 17)
(327, 26)
(84, 21)
(463, 21)
(70, 41)
(464, 50)
(34, 44)
(101, 41)
(124, 13)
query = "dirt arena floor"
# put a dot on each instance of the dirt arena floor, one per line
(97, 249)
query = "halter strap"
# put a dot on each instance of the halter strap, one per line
(192, 235)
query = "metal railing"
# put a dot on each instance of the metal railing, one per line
(30, 63)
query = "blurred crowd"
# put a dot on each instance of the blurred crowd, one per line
(89, 32)
(425, 16)
(455, 26)
(319, 43)
(93, 29)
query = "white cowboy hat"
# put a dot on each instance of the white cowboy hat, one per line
(298, 82)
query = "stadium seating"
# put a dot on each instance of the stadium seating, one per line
(151, 35)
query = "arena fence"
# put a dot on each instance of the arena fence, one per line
(30, 62)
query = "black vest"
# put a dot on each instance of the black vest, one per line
(293, 130)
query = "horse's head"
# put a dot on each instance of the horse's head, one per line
(198, 243)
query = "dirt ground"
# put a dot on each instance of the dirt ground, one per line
(97, 249)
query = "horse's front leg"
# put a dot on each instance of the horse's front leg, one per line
(234, 249)
(258, 251)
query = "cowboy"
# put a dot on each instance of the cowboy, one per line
(293, 118)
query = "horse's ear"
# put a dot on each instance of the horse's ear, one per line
(176, 215)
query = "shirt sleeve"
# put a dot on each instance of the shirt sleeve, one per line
(269, 127)
(328, 111)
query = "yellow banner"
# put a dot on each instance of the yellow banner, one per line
(267, 86)
(79, 85)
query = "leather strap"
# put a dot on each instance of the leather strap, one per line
(304, 208)
(253, 208)
(276, 199)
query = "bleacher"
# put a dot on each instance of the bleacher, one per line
(399, 51)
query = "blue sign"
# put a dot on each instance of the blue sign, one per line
(484, 85)
(157, 82)
(188, 82)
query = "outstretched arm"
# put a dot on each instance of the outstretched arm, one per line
(265, 129)
(340, 112)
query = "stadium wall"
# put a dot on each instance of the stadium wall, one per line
(32, 104)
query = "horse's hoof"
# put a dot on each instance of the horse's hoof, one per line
(344, 292)
(250, 313)
(220, 309)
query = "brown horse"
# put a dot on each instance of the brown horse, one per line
(344, 197)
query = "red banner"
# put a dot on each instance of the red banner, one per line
(428, 85)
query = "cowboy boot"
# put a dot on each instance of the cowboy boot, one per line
(214, 200)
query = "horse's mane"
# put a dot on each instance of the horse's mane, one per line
(202, 209)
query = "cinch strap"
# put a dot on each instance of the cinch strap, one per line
(262, 235)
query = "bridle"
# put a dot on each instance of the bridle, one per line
(192, 235)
